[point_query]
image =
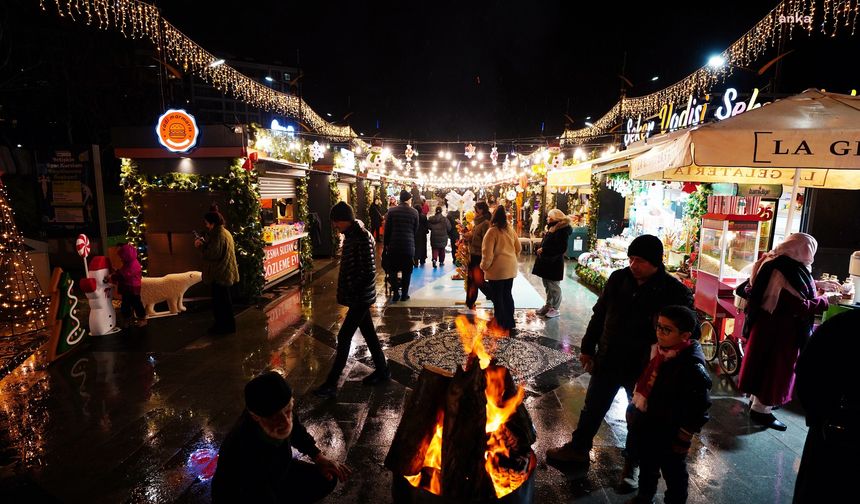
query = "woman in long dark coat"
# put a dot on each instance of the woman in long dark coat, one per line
(376, 216)
(782, 301)
(421, 238)
(549, 264)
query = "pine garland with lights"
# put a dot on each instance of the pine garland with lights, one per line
(334, 197)
(353, 199)
(242, 213)
(368, 201)
(23, 306)
(306, 252)
(593, 211)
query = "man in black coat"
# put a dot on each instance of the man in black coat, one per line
(401, 226)
(255, 462)
(356, 289)
(617, 342)
(827, 388)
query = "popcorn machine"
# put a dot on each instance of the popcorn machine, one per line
(728, 249)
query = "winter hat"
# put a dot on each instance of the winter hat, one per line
(341, 211)
(267, 394)
(648, 247)
(405, 195)
(556, 215)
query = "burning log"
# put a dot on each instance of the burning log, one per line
(418, 425)
(520, 422)
(464, 437)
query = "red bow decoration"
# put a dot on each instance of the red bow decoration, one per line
(250, 160)
(690, 187)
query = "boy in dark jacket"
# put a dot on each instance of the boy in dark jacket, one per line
(356, 289)
(670, 404)
(255, 462)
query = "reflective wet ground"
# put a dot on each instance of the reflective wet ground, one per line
(138, 416)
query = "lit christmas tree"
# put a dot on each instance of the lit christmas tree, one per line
(23, 307)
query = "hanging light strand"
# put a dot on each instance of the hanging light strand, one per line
(779, 23)
(139, 20)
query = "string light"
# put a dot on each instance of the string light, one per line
(137, 20)
(767, 33)
(23, 306)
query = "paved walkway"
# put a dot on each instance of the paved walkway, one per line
(135, 417)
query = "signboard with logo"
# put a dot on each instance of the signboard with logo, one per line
(281, 259)
(809, 177)
(177, 130)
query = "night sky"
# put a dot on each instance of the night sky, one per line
(472, 70)
(419, 71)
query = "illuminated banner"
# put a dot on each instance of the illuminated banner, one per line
(177, 130)
(692, 113)
(570, 177)
(281, 259)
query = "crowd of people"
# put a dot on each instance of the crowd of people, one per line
(642, 336)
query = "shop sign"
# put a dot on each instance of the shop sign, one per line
(764, 191)
(281, 259)
(796, 149)
(670, 119)
(177, 130)
(65, 191)
(808, 177)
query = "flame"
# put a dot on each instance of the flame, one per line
(472, 337)
(500, 439)
(433, 460)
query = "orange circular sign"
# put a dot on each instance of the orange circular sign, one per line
(177, 130)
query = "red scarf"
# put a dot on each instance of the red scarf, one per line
(649, 376)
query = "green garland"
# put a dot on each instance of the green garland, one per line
(334, 197)
(353, 198)
(243, 212)
(368, 200)
(593, 211)
(306, 252)
(590, 277)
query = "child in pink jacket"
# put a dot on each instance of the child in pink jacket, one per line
(128, 279)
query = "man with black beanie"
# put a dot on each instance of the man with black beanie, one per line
(255, 462)
(401, 225)
(617, 342)
(356, 289)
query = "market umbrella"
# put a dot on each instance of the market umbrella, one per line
(807, 140)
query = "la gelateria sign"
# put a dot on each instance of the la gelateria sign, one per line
(671, 118)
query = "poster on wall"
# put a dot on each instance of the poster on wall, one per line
(66, 191)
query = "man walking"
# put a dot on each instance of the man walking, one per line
(356, 289)
(401, 225)
(617, 342)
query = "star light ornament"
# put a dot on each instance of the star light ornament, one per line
(470, 151)
(494, 155)
(317, 151)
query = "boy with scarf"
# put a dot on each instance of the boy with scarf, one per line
(670, 404)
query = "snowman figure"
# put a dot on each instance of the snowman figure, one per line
(99, 292)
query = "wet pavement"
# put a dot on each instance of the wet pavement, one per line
(138, 416)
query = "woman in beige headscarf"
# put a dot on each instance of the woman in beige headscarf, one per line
(783, 300)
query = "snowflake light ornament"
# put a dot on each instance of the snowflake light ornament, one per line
(494, 155)
(317, 151)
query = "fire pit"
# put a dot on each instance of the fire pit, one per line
(465, 436)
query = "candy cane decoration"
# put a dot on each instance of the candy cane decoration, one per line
(82, 245)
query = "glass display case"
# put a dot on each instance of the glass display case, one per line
(729, 246)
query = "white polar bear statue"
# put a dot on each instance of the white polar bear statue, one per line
(170, 288)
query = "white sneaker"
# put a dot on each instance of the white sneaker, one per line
(543, 310)
(552, 313)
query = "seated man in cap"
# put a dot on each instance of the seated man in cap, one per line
(255, 462)
(616, 345)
